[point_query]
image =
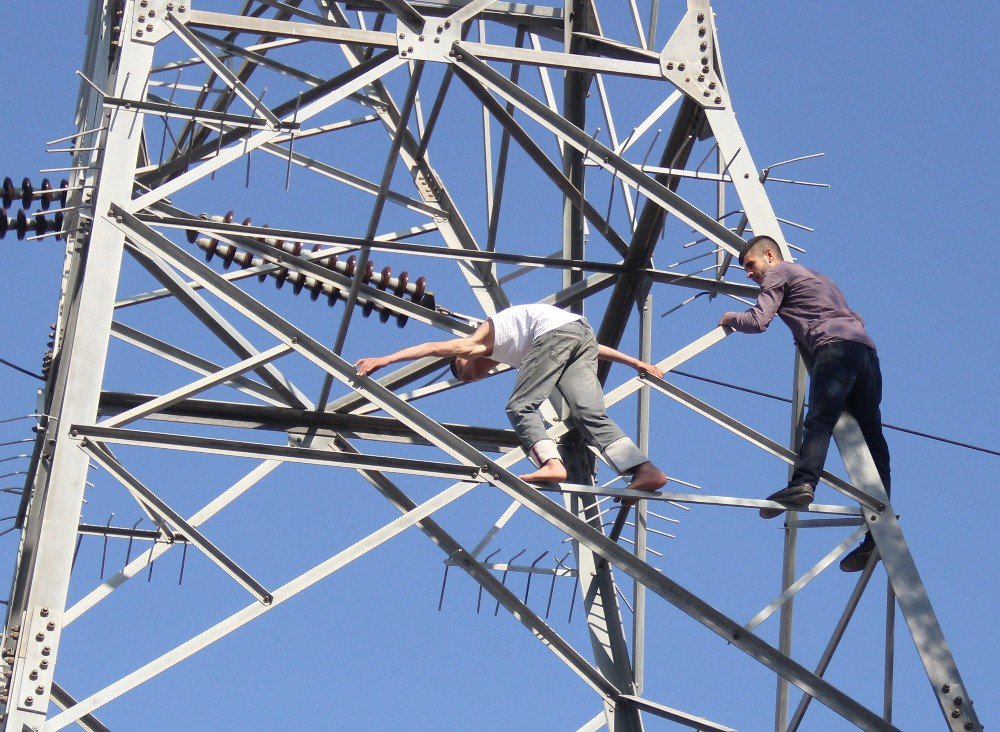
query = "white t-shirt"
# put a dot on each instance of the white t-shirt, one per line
(517, 327)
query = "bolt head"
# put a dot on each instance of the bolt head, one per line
(44, 612)
(139, 32)
(33, 675)
(40, 637)
(152, 12)
(28, 701)
(39, 689)
(956, 713)
(51, 625)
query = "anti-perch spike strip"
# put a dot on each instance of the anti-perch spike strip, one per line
(26, 193)
(21, 224)
(399, 286)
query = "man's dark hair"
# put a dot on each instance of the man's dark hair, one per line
(760, 242)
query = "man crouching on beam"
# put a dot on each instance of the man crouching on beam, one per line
(552, 349)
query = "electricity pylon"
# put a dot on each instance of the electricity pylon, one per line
(176, 93)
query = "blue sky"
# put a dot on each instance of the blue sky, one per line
(895, 96)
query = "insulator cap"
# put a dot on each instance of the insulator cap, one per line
(8, 192)
(26, 191)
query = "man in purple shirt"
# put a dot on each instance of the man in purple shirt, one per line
(845, 372)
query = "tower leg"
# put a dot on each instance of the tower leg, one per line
(43, 572)
(906, 583)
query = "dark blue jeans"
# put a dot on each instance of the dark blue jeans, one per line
(845, 377)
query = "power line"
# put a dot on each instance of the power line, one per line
(786, 400)
(23, 371)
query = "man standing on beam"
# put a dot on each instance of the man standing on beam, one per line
(552, 350)
(845, 373)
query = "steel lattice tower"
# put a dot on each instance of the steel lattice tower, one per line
(188, 104)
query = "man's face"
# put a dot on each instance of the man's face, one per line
(472, 369)
(758, 262)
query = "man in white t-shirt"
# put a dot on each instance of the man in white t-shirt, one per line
(552, 349)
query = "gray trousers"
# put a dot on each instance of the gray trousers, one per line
(565, 359)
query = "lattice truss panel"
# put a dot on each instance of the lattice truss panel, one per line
(425, 164)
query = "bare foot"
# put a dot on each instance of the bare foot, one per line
(647, 477)
(552, 472)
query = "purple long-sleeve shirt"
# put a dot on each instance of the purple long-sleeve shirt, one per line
(811, 305)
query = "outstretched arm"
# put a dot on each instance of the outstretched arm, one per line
(478, 344)
(606, 353)
(757, 318)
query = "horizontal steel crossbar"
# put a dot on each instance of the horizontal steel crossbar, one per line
(239, 448)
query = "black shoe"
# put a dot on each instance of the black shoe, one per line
(858, 559)
(794, 496)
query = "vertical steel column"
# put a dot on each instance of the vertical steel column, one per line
(890, 645)
(597, 584)
(641, 508)
(55, 506)
(790, 544)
